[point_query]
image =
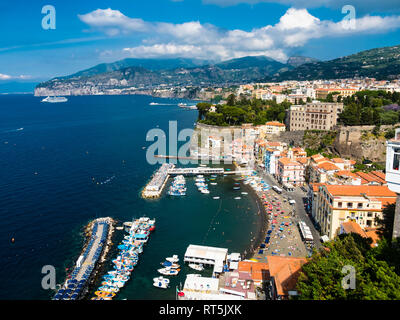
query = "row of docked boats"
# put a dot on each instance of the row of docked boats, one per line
(127, 258)
(201, 184)
(75, 286)
(178, 186)
(170, 268)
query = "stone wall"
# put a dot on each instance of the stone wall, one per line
(354, 142)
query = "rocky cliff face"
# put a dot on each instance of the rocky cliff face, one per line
(359, 143)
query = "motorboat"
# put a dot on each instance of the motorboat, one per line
(173, 259)
(169, 271)
(237, 198)
(161, 279)
(160, 284)
(215, 198)
(205, 191)
(170, 264)
(244, 193)
(194, 266)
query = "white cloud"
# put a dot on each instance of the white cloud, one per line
(8, 77)
(361, 5)
(4, 76)
(193, 39)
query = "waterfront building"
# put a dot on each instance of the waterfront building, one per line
(336, 204)
(210, 256)
(290, 172)
(314, 116)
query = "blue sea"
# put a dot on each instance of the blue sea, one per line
(62, 165)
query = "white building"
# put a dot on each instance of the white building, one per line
(211, 256)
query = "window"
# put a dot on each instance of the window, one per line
(396, 159)
(349, 205)
(340, 204)
(360, 205)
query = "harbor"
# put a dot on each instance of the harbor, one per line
(77, 284)
(127, 258)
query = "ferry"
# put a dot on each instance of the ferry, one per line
(55, 99)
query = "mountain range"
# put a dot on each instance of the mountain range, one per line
(380, 63)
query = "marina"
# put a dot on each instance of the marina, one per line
(127, 259)
(76, 285)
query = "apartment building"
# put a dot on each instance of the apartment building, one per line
(322, 93)
(336, 204)
(290, 172)
(314, 116)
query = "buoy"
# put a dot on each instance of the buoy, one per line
(12, 240)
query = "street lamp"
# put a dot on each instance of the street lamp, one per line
(393, 176)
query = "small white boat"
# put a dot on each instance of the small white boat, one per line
(160, 284)
(213, 183)
(237, 198)
(161, 279)
(173, 259)
(198, 267)
(215, 198)
(205, 191)
(168, 271)
(244, 193)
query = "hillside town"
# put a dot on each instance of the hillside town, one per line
(322, 195)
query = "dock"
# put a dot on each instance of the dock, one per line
(158, 181)
(77, 283)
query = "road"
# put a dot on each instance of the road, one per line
(298, 196)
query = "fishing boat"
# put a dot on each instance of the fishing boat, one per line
(194, 266)
(173, 259)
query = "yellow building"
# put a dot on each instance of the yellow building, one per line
(336, 204)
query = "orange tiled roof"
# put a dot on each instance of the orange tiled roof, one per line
(302, 160)
(328, 166)
(286, 271)
(274, 123)
(259, 270)
(316, 186)
(288, 162)
(353, 227)
(338, 160)
(372, 191)
(273, 144)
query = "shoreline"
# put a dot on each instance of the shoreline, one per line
(262, 228)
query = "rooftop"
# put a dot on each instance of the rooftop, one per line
(371, 191)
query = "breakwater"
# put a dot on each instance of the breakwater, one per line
(76, 285)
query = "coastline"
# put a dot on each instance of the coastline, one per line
(263, 220)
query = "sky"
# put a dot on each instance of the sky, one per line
(91, 32)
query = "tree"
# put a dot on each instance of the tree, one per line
(322, 277)
(231, 100)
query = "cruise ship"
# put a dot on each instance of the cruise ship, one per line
(55, 99)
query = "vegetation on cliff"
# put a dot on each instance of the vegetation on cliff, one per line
(371, 108)
(238, 111)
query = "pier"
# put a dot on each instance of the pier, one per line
(157, 183)
(76, 285)
(206, 171)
